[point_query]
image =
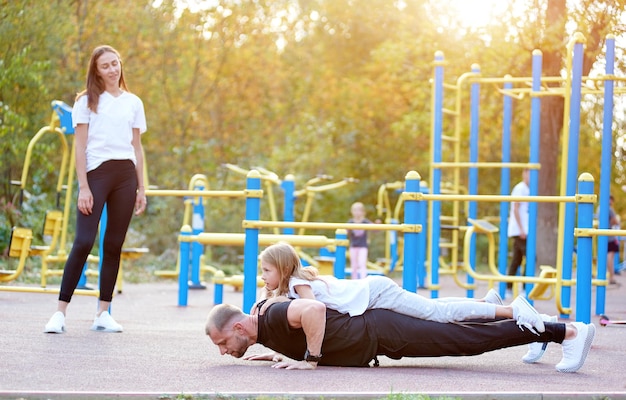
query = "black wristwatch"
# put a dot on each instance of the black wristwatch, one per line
(309, 357)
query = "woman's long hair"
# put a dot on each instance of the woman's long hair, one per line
(95, 86)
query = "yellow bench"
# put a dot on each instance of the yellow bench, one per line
(19, 247)
(539, 290)
(51, 228)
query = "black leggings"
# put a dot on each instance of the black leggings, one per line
(114, 182)
(410, 337)
(519, 252)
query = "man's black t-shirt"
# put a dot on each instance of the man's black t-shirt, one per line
(348, 341)
(355, 341)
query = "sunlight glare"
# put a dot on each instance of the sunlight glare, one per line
(478, 13)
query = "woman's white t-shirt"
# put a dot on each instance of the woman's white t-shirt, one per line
(110, 132)
(346, 296)
(521, 189)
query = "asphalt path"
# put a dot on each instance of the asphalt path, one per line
(164, 353)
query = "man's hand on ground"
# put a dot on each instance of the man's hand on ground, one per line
(264, 357)
(291, 364)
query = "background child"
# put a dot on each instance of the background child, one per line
(358, 242)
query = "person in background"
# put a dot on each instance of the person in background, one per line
(108, 122)
(358, 242)
(518, 228)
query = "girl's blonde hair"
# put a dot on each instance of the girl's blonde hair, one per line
(286, 260)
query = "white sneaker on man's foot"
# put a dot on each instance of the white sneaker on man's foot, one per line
(527, 316)
(537, 349)
(56, 324)
(493, 297)
(575, 350)
(106, 323)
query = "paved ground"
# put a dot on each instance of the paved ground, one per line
(163, 353)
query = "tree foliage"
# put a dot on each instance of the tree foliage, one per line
(298, 87)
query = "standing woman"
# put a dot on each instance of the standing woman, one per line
(108, 122)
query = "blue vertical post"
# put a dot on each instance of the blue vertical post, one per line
(473, 171)
(572, 168)
(505, 185)
(289, 190)
(411, 218)
(218, 295)
(82, 282)
(422, 242)
(584, 255)
(435, 206)
(183, 273)
(393, 246)
(339, 267)
(533, 179)
(251, 245)
(197, 249)
(605, 171)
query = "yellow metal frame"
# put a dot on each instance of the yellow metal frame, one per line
(20, 247)
(550, 86)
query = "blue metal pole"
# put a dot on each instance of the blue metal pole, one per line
(411, 217)
(572, 170)
(197, 249)
(435, 224)
(505, 185)
(218, 295)
(533, 181)
(605, 171)
(393, 246)
(584, 255)
(183, 273)
(289, 189)
(251, 245)
(339, 267)
(473, 171)
(82, 282)
(422, 242)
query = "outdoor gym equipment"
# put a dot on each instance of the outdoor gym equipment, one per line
(584, 199)
(311, 188)
(20, 248)
(536, 87)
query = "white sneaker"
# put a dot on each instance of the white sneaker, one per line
(527, 316)
(575, 350)
(493, 297)
(536, 350)
(56, 324)
(106, 323)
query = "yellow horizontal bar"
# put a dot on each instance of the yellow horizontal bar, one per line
(238, 239)
(326, 225)
(196, 193)
(599, 232)
(490, 198)
(485, 165)
(28, 289)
